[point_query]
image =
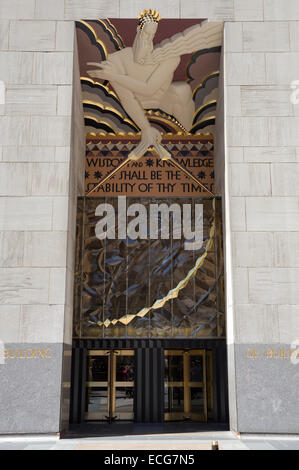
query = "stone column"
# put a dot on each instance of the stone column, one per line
(261, 57)
(41, 174)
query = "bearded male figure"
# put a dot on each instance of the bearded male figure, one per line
(142, 74)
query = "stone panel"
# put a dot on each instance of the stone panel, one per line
(15, 130)
(280, 10)
(50, 131)
(55, 68)
(256, 324)
(24, 286)
(288, 324)
(233, 37)
(245, 68)
(65, 31)
(17, 9)
(28, 405)
(240, 285)
(274, 286)
(32, 35)
(62, 154)
(252, 249)
(263, 36)
(272, 214)
(233, 101)
(167, 8)
(235, 154)
(238, 215)
(250, 179)
(14, 153)
(4, 29)
(45, 249)
(91, 9)
(282, 69)
(283, 131)
(30, 100)
(285, 177)
(270, 154)
(64, 102)
(247, 131)
(14, 179)
(267, 389)
(41, 323)
(266, 101)
(294, 35)
(16, 67)
(26, 213)
(249, 11)
(10, 323)
(53, 10)
(11, 249)
(286, 249)
(49, 179)
(217, 10)
(57, 286)
(60, 211)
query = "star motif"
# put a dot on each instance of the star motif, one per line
(212, 175)
(201, 175)
(149, 162)
(97, 175)
(86, 175)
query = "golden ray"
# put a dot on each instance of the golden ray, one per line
(200, 85)
(95, 36)
(202, 120)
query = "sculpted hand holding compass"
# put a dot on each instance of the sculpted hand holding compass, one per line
(142, 77)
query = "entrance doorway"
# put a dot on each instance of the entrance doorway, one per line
(148, 381)
(188, 386)
(110, 385)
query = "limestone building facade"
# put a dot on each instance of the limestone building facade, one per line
(42, 150)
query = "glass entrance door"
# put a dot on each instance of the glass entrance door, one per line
(188, 385)
(110, 385)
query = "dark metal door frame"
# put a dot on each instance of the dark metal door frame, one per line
(110, 414)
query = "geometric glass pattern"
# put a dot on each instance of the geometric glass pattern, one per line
(148, 288)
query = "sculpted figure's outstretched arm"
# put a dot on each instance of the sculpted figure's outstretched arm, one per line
(148, 88)
(111, 70)
(164, 72)
(149, 135)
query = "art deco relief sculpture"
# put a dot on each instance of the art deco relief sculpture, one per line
(142, 75)
(134, 89)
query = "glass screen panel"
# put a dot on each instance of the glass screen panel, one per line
(124, 286)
